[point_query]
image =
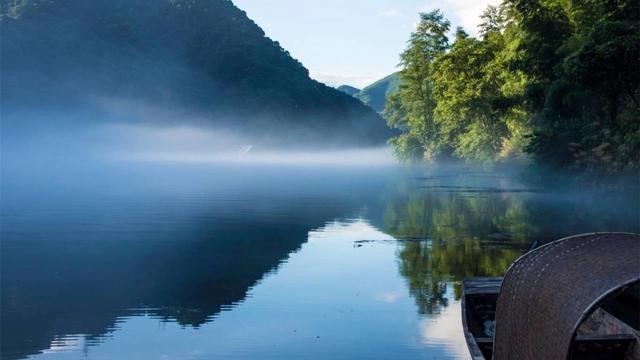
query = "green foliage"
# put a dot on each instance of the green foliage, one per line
(415, 92)
(558, 80)
(460, 101)
(463, 93)
(589, 121)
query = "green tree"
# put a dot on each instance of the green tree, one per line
(459, 101)
(554, 80)
(464, 94)
(412, 110)
(587, 106)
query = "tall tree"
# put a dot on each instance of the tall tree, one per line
(558, 80)
(586, 105)
(464, 94)
(412, 109)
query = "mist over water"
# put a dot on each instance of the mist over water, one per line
(160, 137)
(193, 145)
(174, 185)
(157, 240)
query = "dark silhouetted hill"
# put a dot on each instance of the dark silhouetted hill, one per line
(204, 58)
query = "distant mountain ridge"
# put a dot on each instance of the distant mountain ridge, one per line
(198, 56)
(375, 95)
(349, 90)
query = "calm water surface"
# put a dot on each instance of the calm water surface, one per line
(179, 261)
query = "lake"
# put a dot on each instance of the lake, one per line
(160, 259)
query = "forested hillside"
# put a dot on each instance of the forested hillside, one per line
(349, 90)
(554, 80)
(201, 57)
(376, 94)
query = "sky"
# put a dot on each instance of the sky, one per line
(352, 42)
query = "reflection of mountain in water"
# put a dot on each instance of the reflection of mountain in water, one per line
(77, 277)
(184, 243)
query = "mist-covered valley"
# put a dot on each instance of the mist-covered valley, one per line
(195, 234)
(167, 63)
(175, 185)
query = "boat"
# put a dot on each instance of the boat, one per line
(575, 298)
(479, 297)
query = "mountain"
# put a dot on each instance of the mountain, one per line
(349, 90)
(201, 58)
(376, 94)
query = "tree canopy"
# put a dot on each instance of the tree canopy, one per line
(553, 80)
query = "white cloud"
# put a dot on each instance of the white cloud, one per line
(65, 343)
(446, 330)
(354, 230)
(389, 13)
(462, 12)
(389, 297)
(335, 80)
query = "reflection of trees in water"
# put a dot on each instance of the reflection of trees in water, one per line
(449, 237)
(415, 266)
(439, 215)
(452, 230)
(429, 265)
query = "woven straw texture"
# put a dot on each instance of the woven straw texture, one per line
(548, 292)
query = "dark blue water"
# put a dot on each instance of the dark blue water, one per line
(198, 260)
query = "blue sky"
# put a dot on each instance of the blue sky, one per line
(352, 42)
